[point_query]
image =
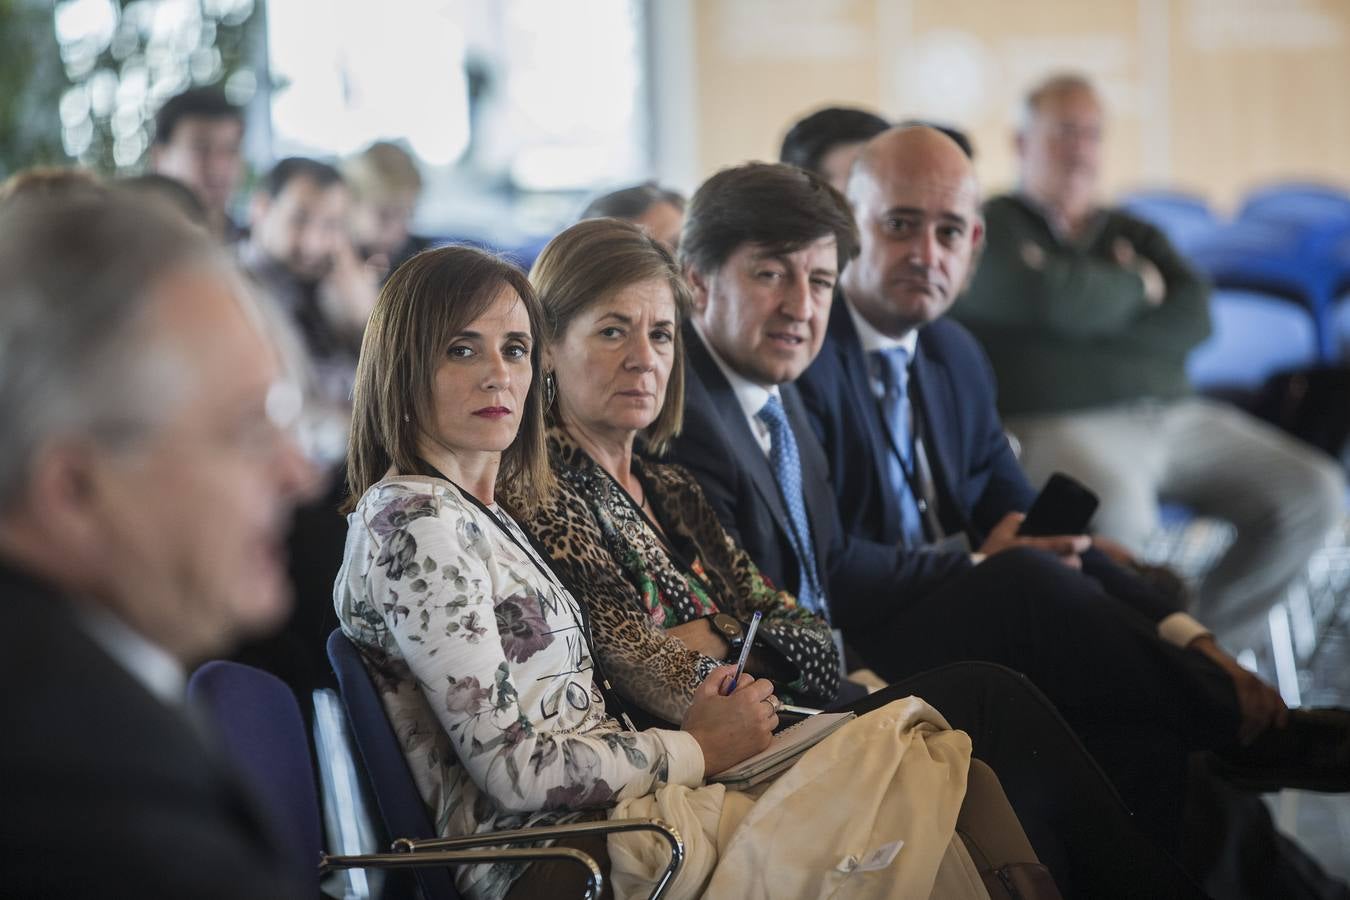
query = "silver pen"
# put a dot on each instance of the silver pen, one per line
(745, 651)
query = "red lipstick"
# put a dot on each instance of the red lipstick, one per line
(492, 412)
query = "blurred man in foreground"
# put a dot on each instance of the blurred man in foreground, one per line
(145, 486)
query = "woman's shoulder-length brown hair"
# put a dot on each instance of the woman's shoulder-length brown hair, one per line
(592, 260)
(426, 302)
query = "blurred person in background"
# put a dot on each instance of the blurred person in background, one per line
(657, 210)
(830, 139)
(385, 185)
(146, 477)
(199, 137)
(1088, 316)
(827, 141)
(300, 251)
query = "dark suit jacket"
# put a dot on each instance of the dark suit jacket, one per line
(866, 581)
(977, 478)
(109, 792)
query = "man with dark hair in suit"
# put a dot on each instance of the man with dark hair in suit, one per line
(937, 474)
(145, 484)
(763, 255)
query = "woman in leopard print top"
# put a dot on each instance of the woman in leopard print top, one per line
(636, 536)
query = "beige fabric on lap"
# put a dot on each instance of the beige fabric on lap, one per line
(896, 774)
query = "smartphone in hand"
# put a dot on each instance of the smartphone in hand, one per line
(1064, 506)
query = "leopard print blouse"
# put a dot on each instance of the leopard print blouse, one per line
(636, 585)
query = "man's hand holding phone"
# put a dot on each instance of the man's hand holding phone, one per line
(1004, 536)
(1056, 523)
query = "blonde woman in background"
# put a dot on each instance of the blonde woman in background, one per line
(385, 184)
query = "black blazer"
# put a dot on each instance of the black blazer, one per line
(977, 478)
(109, 792)
(866, 581)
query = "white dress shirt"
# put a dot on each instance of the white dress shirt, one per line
(153, 666)
(1178, 628)
(750, 395)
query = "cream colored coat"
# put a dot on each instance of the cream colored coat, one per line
(824, 827)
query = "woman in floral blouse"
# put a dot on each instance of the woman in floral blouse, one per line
(481, 654)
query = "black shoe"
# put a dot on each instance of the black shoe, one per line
(1311, 753)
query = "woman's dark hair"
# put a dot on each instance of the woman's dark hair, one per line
(779, 206)
(424, 304)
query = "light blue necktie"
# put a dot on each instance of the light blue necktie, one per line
(787, 471)
(892, 370)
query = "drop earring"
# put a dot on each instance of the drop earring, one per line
(550, 390)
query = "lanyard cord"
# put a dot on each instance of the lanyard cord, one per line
(607, 691)
(927, 515)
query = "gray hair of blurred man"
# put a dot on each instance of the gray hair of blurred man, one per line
(76, 359)
(1051, 86)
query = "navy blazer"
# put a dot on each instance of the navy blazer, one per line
(89, 751)
(976, 476)
(866, 581)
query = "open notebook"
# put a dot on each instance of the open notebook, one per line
(783, 750)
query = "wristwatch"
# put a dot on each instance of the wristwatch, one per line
(731, 630)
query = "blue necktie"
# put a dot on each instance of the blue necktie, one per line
(787, 471)
(892, 370)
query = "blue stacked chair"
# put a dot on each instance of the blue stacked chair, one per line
(1317, 219)
(1273, 259)
(1257, 332)
(263, 733)
(1185, 218)
(1341, 314)
(1299, 205)
(405, 814)
(1254, 337)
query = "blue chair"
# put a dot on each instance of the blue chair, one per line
(1254, 336)
(1339, 254)
(262, 731)
(1277, 260)
(1342, 325)
(401, 806)
(1184, 218)
(1298, 205)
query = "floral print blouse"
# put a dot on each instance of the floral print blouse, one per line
(481, 662)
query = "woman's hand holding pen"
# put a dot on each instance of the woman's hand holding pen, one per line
(731, 727)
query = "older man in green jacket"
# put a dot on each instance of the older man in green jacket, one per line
(1088, 316)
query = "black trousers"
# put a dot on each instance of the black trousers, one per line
(1138, 704)
(1073, 816)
